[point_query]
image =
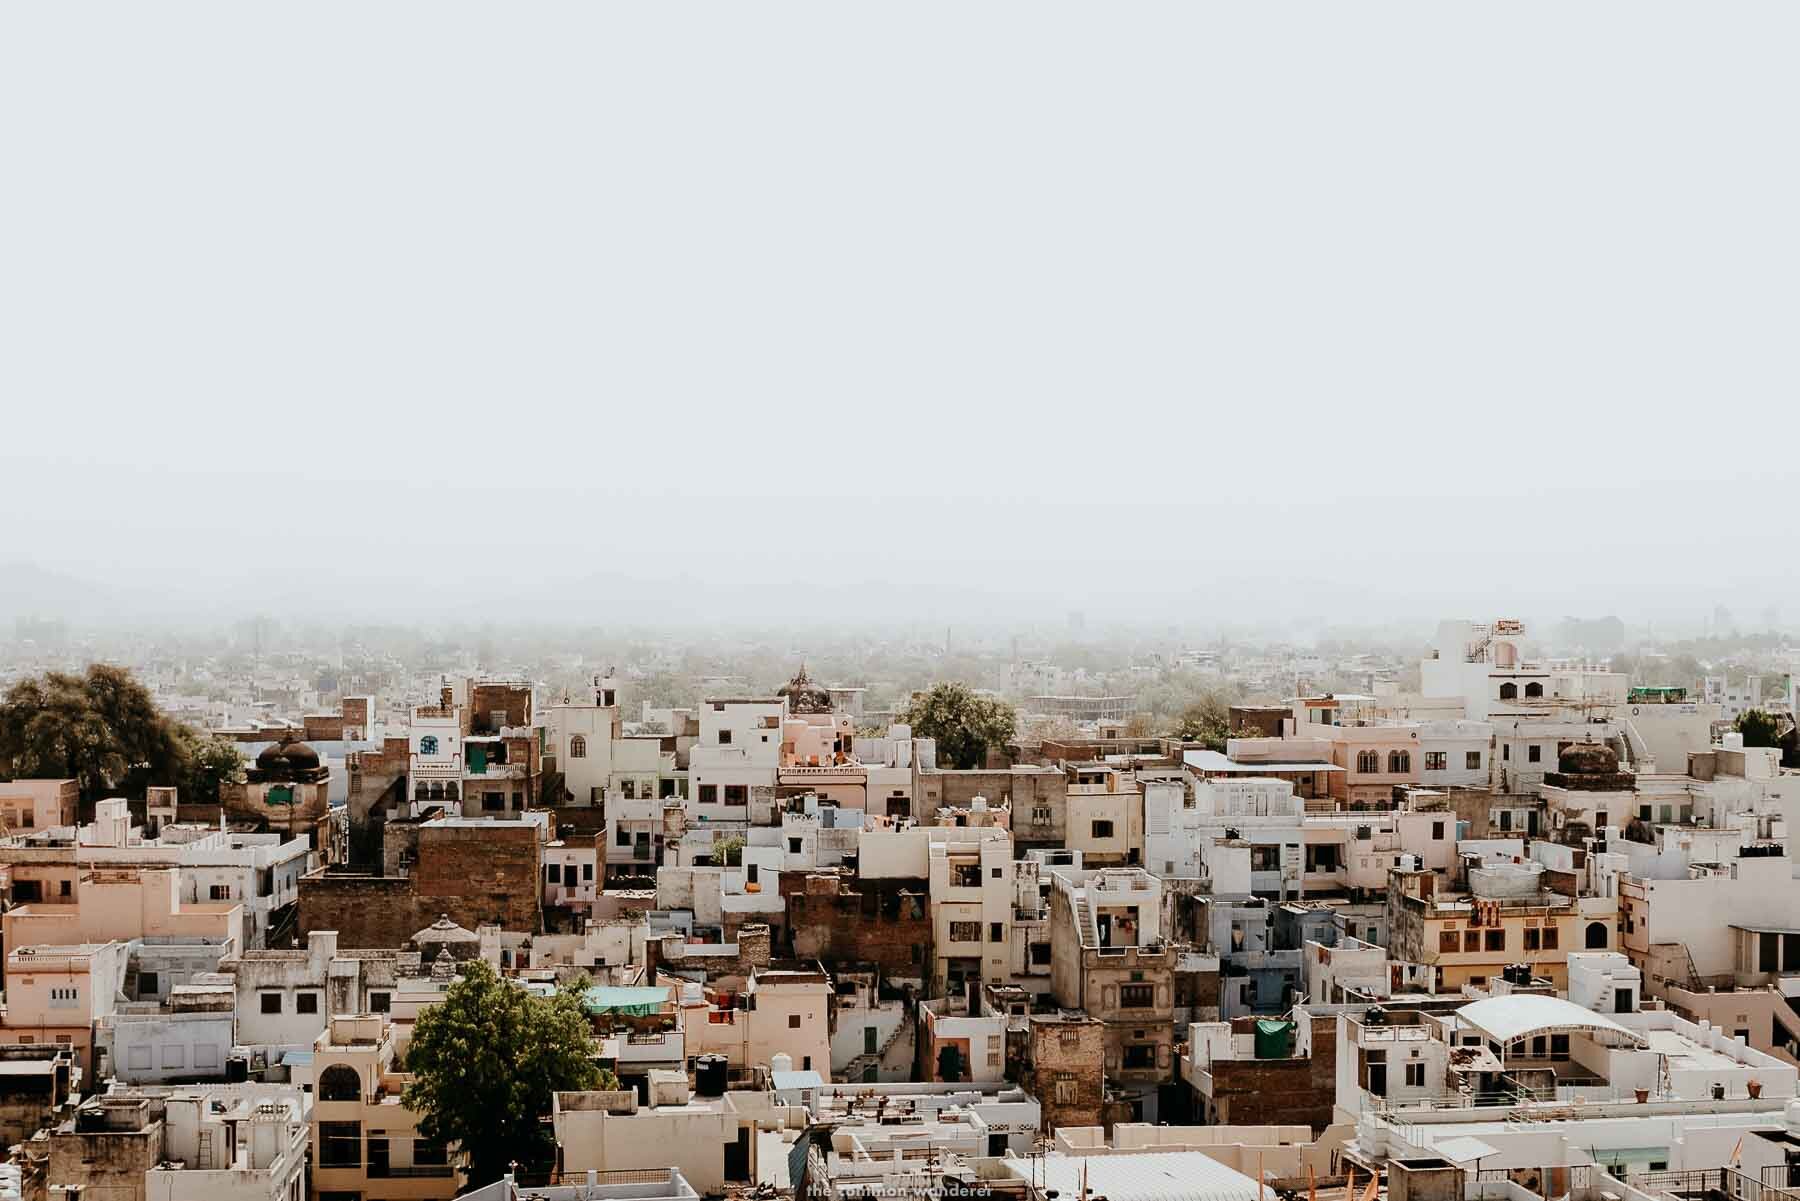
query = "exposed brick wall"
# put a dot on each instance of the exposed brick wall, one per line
(840, 919)
(476, 875)
(1259, 1092)
(486, 699)
(1072, 1054)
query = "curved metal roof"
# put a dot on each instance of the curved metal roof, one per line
(1520, 1015)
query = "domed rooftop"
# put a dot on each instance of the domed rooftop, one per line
(286, 759)
(804, 696)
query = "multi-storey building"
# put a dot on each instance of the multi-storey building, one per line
(1108, 958)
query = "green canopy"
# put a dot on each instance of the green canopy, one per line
(1274, 1039)
(631, 1002)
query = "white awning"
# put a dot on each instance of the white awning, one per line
(1521, 1015)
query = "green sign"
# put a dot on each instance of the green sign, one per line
(281, 794)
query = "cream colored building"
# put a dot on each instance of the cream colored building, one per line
(365, 1143)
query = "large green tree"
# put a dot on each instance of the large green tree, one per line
(486, 1062)
(209, 765)
(964, 724)
(101, 728)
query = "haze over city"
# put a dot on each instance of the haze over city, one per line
(996, 601)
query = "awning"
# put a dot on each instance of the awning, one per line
(635, 1002)
(1215, 761)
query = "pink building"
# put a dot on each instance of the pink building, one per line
(120, 904)
(54, 994)
(38, 804)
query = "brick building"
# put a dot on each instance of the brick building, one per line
(1064, 1068)
(476, 871)
(836, 917)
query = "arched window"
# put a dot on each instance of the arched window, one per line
(1509, 691)
(1534, 689)
(577, 747)
(1368, 762)
(1596, 936)
(340, 1083)
(428, 745)
(1399, 762)
(450, 790)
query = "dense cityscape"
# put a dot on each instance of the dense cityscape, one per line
(372, 913)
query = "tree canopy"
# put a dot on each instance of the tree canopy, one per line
(1208, 722)
(964, 724)
(486, 1062)
(101, 728)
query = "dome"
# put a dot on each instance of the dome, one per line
(300, 757)
(804, 696)
(273, 758)
(1588, 759)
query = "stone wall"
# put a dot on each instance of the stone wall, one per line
(1263, 1092)
(837, 918)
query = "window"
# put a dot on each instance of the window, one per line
(793, 1021)
(493, 802)
(1596, 936)
(1040, 954)
(1496, 940)
(1265, 857)
(587, 871)
(1506, 751)
(428, 745)
(998, 872)
(1040, 815)
(709, 794)
(1398, 762)
(1437, 831)
(1065, 1088)
(148, 984)
(340, 1082)
(552, 873)
(380, 1002)
(1415, 1075)
(1472, 760)
(996, 931)
(1471, 941)
(1534, 690)
(1509, 691)
(1103, 829)
(1437, 760)
(427, 1153)
(795, 845)
(1449, 942)
(1368, 762)
(1532, 938)
(965, 931)
(724, 737)
(306, 1002)
(64, 998)
(578, 747)
(1534, 753)
(340, 1144)
(1140, 1055)
(1550, 938)
(62, 889)
(1137, 996)
(271, 1002)
(737, 794)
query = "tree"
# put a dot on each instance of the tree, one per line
(1206, 721)
(210, 764)
(964, 724)
(101, 728)
(486, 1062)
(1759, 728)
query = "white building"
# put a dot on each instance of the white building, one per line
(737, 757)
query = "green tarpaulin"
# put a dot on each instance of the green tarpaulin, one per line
(632, 1002)
(1274, 1040)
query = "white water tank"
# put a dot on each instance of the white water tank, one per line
(781, 1061)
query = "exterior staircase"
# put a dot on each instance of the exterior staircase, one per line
(853, 1071)
(1085, 925)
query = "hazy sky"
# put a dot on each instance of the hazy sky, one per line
(934, 309)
